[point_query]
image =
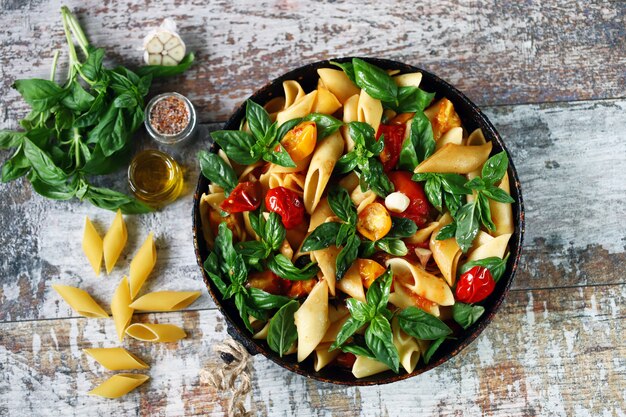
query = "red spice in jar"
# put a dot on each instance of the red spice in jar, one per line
(169, 116)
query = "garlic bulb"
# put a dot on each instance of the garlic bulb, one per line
(163, 46)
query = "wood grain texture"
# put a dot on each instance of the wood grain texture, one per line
(548, 353)
(496, 52)
(575, 232)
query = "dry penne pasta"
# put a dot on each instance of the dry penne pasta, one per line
(142, 264)
(165, 300)
(80, 301)
(120, 308)
(114, 241)
(152, 332)
(116, 358)
(119, 385)
(92, 246)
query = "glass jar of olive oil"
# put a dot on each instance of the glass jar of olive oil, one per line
(155, 177)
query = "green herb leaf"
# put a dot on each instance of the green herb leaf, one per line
(432, 188)
(498, 194)
(348, 68)
(326, 125)
(211, 266)
(358, 350)
(237, 145)
(367, 248)
(258, 119)
(379, 340)
(43, 165)
(40, 94)
(446, 232)
(158, 71)
(56, 192)
(392, 246)
(401, 228)
(432, 349)
(347, 330)
(282, 332)
(375, 81)
(485, 211)
(347, 255)
(467, 225)
(359, 310)
(10, 139)
(341, 204)
(282, 266)
(242, 307)
(378, 293)
(92, 67)
(421, 136)
(346, 163)
(495, 168)
(286, 127)
(322, 237)
(466, 314)
(113, 200)
(216, 170)
(262, 300)
(494, 264)
(343, 233)
(274, 232)
(410, 100)
(77, 98)
(421, 325)
(253, 251)
(374, 175)
(110, 133)
(279, 156)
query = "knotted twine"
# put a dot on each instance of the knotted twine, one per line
(232, 375)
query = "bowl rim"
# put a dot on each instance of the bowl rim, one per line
(489, 131)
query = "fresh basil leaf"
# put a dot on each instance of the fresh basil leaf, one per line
(348, 68)
(359, 310)
(401, 228)
(237, 145)
(358, 350)
(367, 248)
(326, 125)
(274, 232)
(113, 200)
(485, 211)
(466, 314)
(286, 127)
(476, 184)
(125, 100)
(242, 307)
(375, 81)
(346, 163)
(98, 163)
(56, 192)
(92, 67)
(347, 256)
(77, 98)
(375, 177)
(110, 133)
(408, 159)
(494, 264)
(252, 251)
(467, 226)
(341, 204)
(410, 100)
(279, 156)
(446, 232)
(421, 325)
(379, 340)
(63, 120)
(15, 167)
(10, 139)
(135, 118)
(93, 115)
(322, 237)
(262, 300)
(392, 246)
(495, 168)
(498, 194)
(432, 188)
(378, 293)
(223, 248)
(216, 170)
(375, 146)
(453, 203)
(362, 133)
(421, 135)
(158, 71)
(40, 94)
(258, 119)
(282, 332)
(282, 266)
(347, 330)
(343, 233)
(454, 184)
(43, 165)
(213, 271)
(432, 349)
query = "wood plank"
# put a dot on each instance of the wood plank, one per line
(497, 53)
(574, 233)
(548, 352)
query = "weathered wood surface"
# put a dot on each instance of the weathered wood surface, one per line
(511, 52)
(574, 235)
(550, 353)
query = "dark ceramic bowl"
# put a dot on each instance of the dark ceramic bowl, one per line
(472, 118)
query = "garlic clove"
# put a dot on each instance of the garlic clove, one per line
(163, 46)
(177, 53)
(154, 59)
(168, 60)
(164, 36)
(154, 46)
(173, 42)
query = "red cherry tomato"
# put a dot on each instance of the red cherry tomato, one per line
(394, 136)
(287, 204)
(475, 285)
(419, 207)
(245, 197)
(346, 359)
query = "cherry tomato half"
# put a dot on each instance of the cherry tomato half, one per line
(287, 204)
(393, 137)
(475, 285)
(300, 141)
(345, 360)
(419, 207)
(374, 222)
(369, 271)
(245, 197)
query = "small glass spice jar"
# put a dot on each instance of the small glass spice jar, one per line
(155, 177)
(170, 118)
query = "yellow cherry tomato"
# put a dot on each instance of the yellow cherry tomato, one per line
(300, 141)
(369, 271)
(374, 222)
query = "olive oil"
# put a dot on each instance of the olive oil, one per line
(155, 177)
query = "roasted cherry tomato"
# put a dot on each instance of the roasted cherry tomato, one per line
(245, 197)
(287, 204)
(369, 271)
(300, 141)
(419, 207)
(393, 137)
(269, 282)
(345, 360)
(299, 289)
(374, 222)
(442, 117)
(401, 118)
(475, 285)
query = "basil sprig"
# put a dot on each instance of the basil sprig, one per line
(227, 269)
(441, 189)
(494, 264)
(466, 314)
(363, 159)
(216, 170)
(282, 332)
(471, 215)
(282, 266)
(262, 143)
(271, 233)
(375, 314)
(421, 325)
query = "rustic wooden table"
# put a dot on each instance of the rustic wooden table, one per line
(551, 76)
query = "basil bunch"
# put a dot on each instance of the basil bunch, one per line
(73, 132)
(363, 159)
(471, 215)
(375, 314)
(227, 269)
